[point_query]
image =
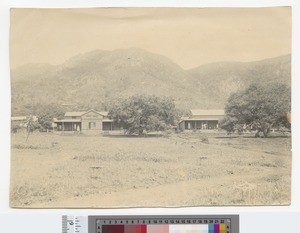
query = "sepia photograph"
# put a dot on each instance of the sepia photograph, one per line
(150, 107)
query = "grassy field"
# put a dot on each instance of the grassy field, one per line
(56, 171)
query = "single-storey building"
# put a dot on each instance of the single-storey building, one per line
(89, 121)
(95, 122)
(19, 119)
(23, 120)
(202, 119)
(20, 123)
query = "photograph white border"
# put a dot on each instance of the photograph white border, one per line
(5, 5)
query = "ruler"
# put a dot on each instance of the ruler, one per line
(151, 224)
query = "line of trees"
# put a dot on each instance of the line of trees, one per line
(258, 108)
(138, 114)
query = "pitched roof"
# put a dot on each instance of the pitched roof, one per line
(92, 110)
(103, 113)
(70, 114)
(77, 114)
(208, 112)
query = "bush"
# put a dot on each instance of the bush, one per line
(15, 128)
(204, 139)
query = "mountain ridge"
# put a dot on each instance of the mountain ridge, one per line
(96, 78)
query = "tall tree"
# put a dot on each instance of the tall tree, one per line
(141, 114)
(259, 107)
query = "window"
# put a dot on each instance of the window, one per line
(92, 125)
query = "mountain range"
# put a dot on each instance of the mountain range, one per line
(94, 79)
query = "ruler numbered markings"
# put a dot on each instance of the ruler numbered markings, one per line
(137, 224)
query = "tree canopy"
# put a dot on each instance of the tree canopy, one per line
(259, 107)
(46, 113)
(141, 114)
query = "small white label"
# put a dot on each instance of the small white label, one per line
(75, 224)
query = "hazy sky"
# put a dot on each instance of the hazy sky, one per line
(190, 37)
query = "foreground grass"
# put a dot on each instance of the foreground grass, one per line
(53, 170)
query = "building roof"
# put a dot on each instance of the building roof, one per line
(19, 118)
(78, 114)
(107, 120)
(104, 113)
(208, 112)
(67, 120)
(70, 114)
